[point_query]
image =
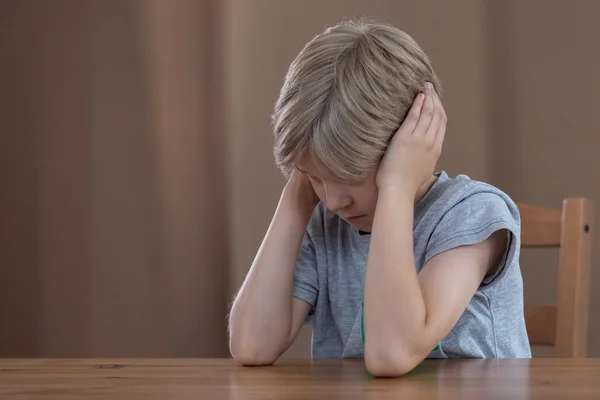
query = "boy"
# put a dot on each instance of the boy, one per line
(393, 263)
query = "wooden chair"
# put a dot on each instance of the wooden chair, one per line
(564, 326)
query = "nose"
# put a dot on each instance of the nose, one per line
(336, 199)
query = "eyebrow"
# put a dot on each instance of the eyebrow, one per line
(309, 174)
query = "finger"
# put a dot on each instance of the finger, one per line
(441, 130)
(444, 122)
(426, 112)
(439, 139)
(412, 118)
(438, 111)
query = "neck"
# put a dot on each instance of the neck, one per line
(425, 188)
(420, 194)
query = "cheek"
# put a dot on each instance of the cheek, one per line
(368, 199)
(319, 190)
(370, 202)
(373, 201)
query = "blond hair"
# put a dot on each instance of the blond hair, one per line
(345, 95)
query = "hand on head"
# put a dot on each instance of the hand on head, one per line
(413, 152)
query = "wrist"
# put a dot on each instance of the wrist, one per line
(397, 192)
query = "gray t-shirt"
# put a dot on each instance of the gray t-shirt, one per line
(455, 212)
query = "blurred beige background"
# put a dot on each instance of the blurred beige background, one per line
(136, 174)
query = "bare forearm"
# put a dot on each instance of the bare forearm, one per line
(397, 328)
(261, 316)
(395, 310)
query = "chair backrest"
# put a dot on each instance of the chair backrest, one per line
(564, 326)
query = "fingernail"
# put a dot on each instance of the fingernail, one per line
(429, 85)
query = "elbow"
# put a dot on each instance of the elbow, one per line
(390, 363)
(251, 355)
(250, 348)
(385, 368)
(250, 359)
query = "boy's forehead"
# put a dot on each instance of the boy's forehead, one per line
(310, 166)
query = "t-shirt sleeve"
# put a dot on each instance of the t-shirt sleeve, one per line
(306, 285)
(473, 220)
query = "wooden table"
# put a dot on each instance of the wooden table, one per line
(216, 379)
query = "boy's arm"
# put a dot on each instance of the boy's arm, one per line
(406, 315)
(265, 317)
